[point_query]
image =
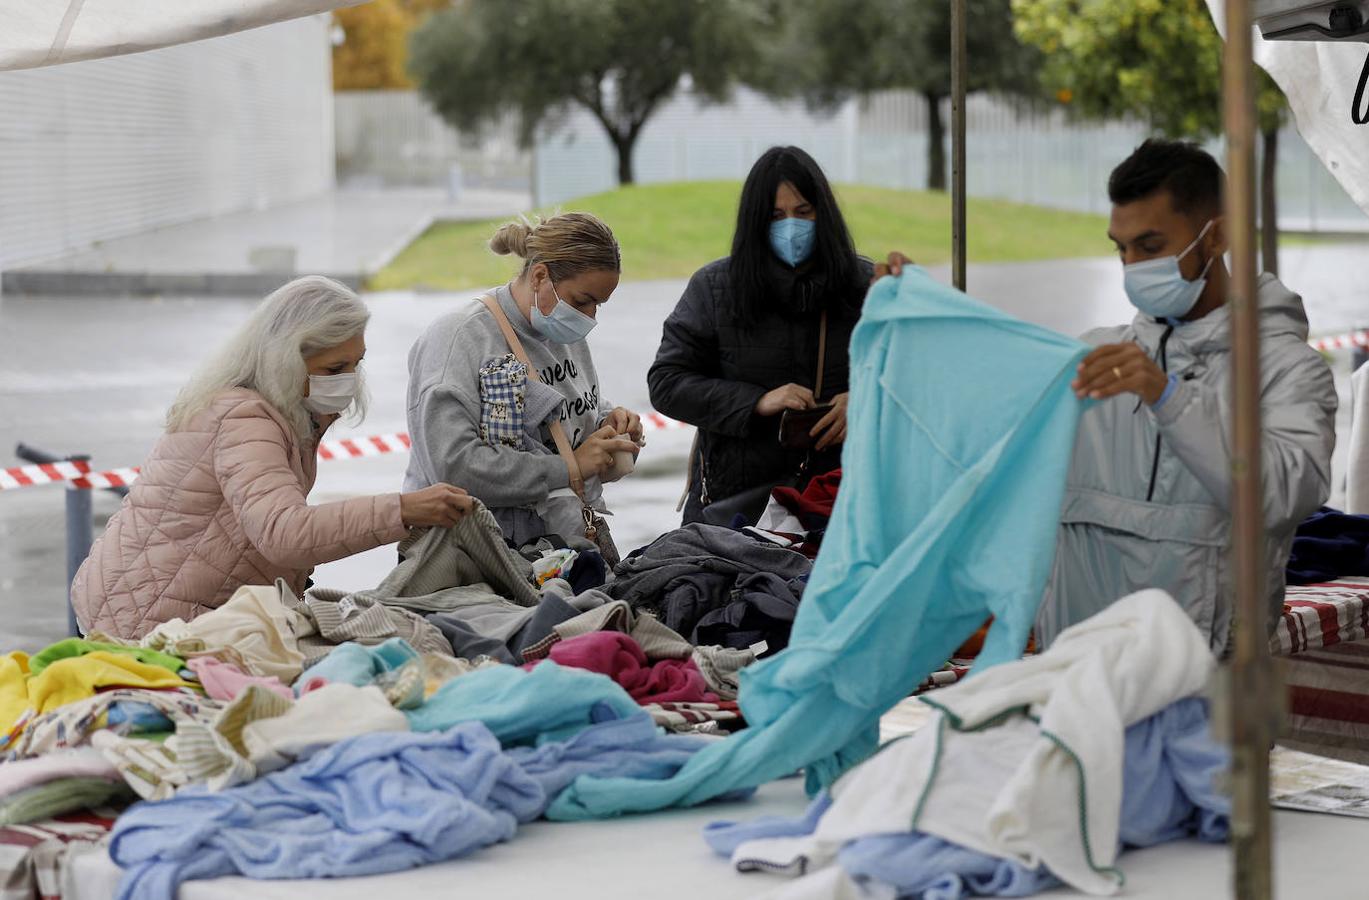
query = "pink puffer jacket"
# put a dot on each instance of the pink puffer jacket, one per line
(219, 505)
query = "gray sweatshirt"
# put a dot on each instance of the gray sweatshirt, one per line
(444, 409)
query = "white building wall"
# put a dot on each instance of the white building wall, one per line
(96, 150)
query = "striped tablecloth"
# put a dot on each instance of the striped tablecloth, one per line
(1322, 615)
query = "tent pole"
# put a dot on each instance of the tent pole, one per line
(958, 143)
(1252, 681)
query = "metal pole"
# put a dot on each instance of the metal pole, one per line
(1252, 682)
(80, 519)
(958, 75)
(80, 536)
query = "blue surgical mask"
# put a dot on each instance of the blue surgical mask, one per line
(1157, 288)
(792, 239)
(565, 325)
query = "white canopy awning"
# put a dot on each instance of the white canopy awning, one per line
(47, 32)
(1319, 79)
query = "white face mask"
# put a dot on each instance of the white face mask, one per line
(1158, 288)
(565, 325)
(331, 394)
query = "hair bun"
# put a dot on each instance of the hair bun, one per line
(512, 238)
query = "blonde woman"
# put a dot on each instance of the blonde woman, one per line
(221, 501)
(478, 415)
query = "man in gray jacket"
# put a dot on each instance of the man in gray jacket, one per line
(1148, 501)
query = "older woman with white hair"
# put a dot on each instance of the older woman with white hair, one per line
(221, 503)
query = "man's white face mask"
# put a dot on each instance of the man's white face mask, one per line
(1158, 288)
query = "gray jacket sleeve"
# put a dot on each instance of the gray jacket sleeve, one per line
(685, 380)
(497, 476)
(1298, 403)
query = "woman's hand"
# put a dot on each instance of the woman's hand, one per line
(893, 267)
(596, 453)
(832, 426)
(790, 396)
(441, 505)
(625, 421)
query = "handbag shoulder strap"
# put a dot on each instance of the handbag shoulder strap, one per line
(822, 357)
(558, 431)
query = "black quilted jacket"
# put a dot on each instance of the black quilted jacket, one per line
(711, 370)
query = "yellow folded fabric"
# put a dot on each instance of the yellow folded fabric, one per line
(14, 695)
(72, 679)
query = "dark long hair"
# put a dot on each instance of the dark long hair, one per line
(833, 269)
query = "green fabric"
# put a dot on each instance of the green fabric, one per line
(76, 647)
(61, 796)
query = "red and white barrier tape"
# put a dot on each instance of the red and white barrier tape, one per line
(654, 421)
(28, 476)
(351, 448)
(115, 478)
(1342, 341)
(80, 475)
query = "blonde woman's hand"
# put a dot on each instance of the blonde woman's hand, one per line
(442, 505)
(626, 422)
(596, 453)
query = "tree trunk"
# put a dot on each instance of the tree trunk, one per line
(936, 144)
(1269, 203)
(624, 145)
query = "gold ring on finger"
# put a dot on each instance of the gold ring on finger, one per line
(1118, 372)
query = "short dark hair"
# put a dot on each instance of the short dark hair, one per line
(834, 262)
(1193, 178)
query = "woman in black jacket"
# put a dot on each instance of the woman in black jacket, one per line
(742, 345)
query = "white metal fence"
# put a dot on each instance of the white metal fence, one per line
(1023, 155)
(393, 138)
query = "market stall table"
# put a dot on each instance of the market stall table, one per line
(662, 856)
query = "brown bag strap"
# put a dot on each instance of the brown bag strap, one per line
(558, 432)
(822, 357)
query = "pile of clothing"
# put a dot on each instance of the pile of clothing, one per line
(376, 758)
(716, 586)
(485, 676)
(798, 519)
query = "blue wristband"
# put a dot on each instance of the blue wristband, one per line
(1169, 389)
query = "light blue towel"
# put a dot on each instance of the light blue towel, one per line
(1171, 778)
(725, 837)
(961, 426)
(376, 803)
(548, 703)
(352, 663)
(632, 747)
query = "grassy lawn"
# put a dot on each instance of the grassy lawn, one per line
(670, 230)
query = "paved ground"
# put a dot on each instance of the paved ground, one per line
(95, 375)
(347, 234)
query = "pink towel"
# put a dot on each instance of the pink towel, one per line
(618, 656)
(224, 681)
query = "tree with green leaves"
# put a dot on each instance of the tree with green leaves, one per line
(827, 51)
(1159, 61)
(618, 59)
